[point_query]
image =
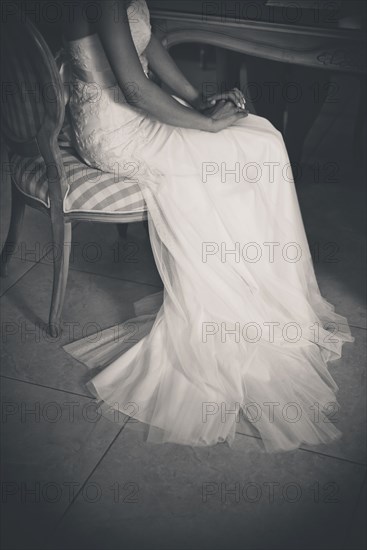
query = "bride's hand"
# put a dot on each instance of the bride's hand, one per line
(225, 114)
(235, 96)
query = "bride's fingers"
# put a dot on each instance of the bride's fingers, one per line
(224, 108)
(240, 98)
(234, 96)
(240, 115)
(213, 99)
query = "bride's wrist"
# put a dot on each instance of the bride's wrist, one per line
(196, 100)
(209, 124)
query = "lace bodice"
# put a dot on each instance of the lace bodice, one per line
(103, 125)
(87, 54)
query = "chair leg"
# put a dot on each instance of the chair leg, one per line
(146, 226)
(61, 233)
(15, 227)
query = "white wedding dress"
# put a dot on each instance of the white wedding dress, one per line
(242, 326)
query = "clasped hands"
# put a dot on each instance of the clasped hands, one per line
(209, 105)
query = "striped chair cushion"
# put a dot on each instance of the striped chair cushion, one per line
(90, 190)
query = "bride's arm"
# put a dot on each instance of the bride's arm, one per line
(114, 31)
(166, 69)
(162, 64)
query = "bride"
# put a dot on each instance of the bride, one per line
(241, 328)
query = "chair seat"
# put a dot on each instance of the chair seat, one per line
(90, 190)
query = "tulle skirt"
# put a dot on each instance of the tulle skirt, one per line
(241, 328)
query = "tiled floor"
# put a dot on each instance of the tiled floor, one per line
(75, 480)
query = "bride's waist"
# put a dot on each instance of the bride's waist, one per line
(105, 105)
(104, 78)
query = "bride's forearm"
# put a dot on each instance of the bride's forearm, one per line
(115, 35)
(160, 105)
(162, 64)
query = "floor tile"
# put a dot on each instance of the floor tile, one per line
(170, 496)
(357, 538)
(98, 248)
(335, 224)
(92, 303)
(35, 238)
(51, 442)
(16, 270)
